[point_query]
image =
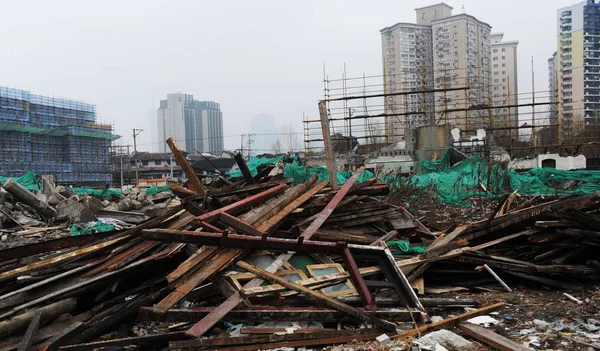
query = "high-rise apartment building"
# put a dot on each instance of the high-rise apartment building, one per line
(578, 65)
(440, 51)
(196, 126)
(503, 88)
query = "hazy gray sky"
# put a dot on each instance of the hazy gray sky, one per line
(252, 56)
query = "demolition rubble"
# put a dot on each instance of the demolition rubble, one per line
(258, 262)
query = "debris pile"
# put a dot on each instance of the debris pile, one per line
(264, 264)
(34, 209)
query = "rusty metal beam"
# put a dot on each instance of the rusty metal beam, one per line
(193, 180)
(328, 210)
(242, 205)
(357, 279)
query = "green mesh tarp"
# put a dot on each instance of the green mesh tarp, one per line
(78, 229)
(403, 247)
(108, 193)
(254, 163)
(474, 176)
(301, 174)
(28, 180)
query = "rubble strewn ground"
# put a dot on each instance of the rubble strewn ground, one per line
(256, 263)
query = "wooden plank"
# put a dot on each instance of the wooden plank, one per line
(219, 262)
(387, 237)
(489, 337)
(328, 210)
(193, 180)
(149, 340)
(329, 152)
(449, 322)
(274, 314)
(259, 330)
(59, 259)
(318, 296)
(30, 332)
(321, 282)
(259, 342)
(197, 258)
(272, 222)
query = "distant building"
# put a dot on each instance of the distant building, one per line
(504, 87)
(53, 136)
(439, 51)
(196, 126)
(578, 66)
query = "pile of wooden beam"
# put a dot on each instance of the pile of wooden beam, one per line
(207, 261)
(260, 250)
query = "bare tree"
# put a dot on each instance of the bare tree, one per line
(290, 139)
(276, 147)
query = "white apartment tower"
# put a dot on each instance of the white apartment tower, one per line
(440, 51)
(503, 88)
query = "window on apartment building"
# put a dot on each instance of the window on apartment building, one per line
(423, 15)
(504, 65)
(504, 57)
(504, 73)
(496, 80)
(566, 13)
(503, 49)
(495, 51)
(495, 58)
(503, 80)
(495, 65)
(504, 87)
(495, 88)
(496, 73)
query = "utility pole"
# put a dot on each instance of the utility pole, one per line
(136, 132)
(171, 163)
(121, 171)
(250, 141)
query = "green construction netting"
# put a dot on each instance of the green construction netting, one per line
(474, 176)
(28, 180)
(301, 174)
(403, 247)
(108, 193)
(254, 163)
(78, 229)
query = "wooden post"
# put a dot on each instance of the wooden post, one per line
(328, 145)
(49, 312)
(239, 159)
(193, 180)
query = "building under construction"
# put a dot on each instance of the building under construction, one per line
(53, 136)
